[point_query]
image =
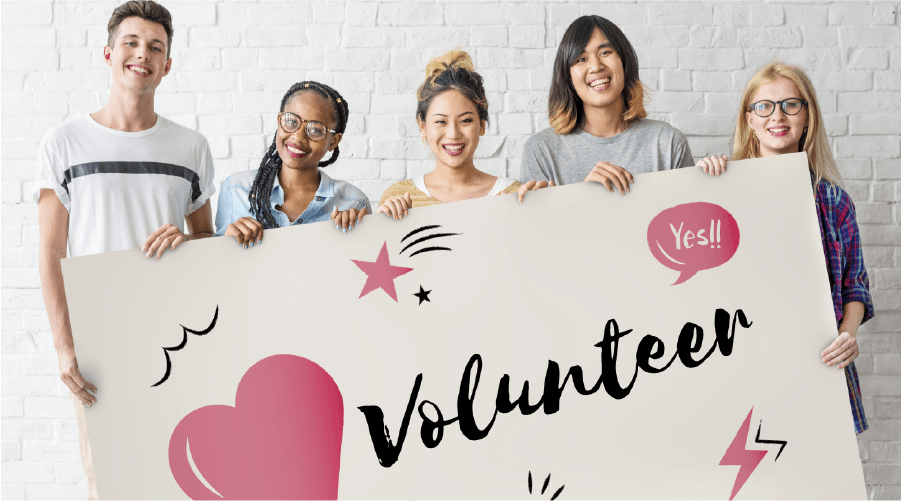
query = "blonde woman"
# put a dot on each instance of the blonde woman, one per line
(779, 114)
(452, 114)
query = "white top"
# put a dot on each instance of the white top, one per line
(119, 187)
(502, 184)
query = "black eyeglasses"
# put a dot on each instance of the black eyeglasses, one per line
(766, 108)
(289, 122)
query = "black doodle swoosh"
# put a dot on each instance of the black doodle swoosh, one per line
(184, 342)
(423, 239)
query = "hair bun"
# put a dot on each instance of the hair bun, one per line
(455, 58)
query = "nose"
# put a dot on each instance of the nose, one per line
(453, 130)
(595, 64)
(777, 113)
(141, 51)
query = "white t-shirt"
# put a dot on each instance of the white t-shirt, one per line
(119, 187)
(500, 185)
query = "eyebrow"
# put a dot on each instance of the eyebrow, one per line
(443, 115)
(155, 40)
(605, 45)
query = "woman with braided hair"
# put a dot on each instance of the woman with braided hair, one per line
(289, 188)
(452, 113)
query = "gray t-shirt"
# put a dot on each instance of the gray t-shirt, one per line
(646, 146)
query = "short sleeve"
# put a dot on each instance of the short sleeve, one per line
(682, 156)
(530, 168)
(51, 172)
(206, 173)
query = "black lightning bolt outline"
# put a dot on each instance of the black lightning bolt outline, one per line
(759, 441)
(184, 342)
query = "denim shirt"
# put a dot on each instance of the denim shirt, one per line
(234, 200)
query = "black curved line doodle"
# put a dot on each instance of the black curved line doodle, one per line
(184, 342)
(557, 493)
(546, 481)
(417, 230)
(423, 239)
(759, 441)
(530, 482)
(430, 249)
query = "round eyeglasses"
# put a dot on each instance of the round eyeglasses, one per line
(289, 122)
(766, 108)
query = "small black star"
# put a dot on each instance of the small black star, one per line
(423, 295)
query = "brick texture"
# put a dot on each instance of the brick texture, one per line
(234, 59)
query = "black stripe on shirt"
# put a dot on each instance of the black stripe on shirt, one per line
(134, 168)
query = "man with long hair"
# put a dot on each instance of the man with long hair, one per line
(599, 130)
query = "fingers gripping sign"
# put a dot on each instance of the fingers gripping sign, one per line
(715, 165)
(842, 351)
(533, 186)
(167, 236)
(611, 176)
(397, 207)
(345, 220)
(246, 231)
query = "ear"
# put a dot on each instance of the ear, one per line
(168, 67)
(421, 125)
(482, 127)
(107, 54)
(748, 117)
(335, 140)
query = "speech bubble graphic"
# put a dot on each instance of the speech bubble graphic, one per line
(692, 237)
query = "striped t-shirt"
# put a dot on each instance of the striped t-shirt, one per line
(119, 187)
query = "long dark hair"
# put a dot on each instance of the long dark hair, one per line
(261, 191)
(453, 70)
(565, 110)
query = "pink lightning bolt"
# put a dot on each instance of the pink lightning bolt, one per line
(736, 454)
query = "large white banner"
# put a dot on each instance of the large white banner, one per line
(582, 344)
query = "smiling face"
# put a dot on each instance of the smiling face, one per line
(138, 55)
(598, 75)
(452, 128)
(298, 151)
(778, 133)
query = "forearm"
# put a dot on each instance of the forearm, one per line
(199, 235)
(53, 225)
(852, 314)
(55, 302)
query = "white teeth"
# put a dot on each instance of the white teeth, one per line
(294, 150)
(599, 82)
(453, 148)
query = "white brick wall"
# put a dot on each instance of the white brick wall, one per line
(233, 61)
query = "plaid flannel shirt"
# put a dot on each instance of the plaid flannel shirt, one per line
(847, 273)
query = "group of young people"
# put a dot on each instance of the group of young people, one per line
(109, 179)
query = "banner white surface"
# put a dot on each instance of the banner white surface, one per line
(686, 319)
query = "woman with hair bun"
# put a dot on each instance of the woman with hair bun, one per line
(452, 114)
(290, 187)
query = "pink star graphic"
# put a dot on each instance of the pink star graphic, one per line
(381, 274)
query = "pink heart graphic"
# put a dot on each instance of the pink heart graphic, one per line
(281, 440)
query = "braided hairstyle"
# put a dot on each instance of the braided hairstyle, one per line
(261, 190)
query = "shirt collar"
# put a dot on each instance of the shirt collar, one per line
(326, 189)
